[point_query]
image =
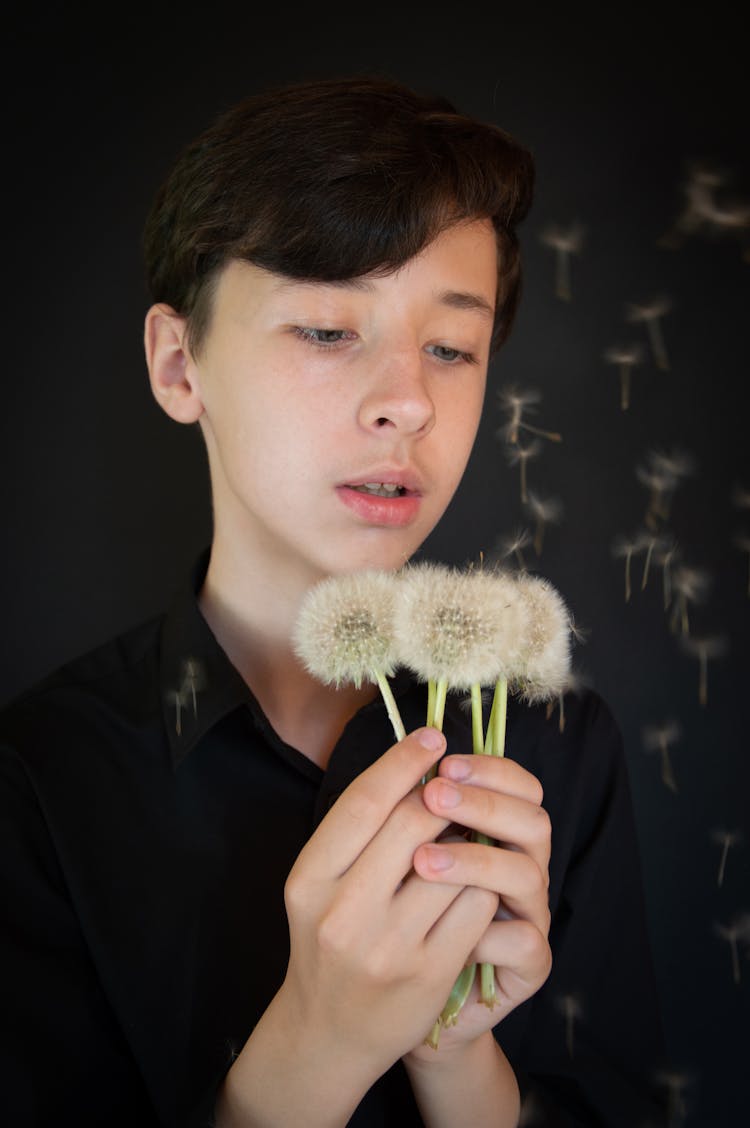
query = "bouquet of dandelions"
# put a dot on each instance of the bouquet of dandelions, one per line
(456, 630)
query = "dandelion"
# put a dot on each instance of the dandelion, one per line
(544, 668)
(626, 548)
(517, 403)
(513, 546)
(545, 511)
(667, 551)
(564, 241)
(660, 738)
(344, 634)
(571, 1010)
(626, 357)
(690, 585)
(662, 473)
(703, 649)
(521, 455)
(726, 839)
(738, 930)
(742, 541)
(649, 314)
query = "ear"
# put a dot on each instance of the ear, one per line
(171, 368)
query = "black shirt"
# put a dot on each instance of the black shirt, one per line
(150, 816)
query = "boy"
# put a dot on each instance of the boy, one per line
(225, 902)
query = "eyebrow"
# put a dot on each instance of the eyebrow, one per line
(455, 299)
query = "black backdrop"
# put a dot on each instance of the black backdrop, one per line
(106, 500)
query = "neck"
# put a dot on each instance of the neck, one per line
(253, 616)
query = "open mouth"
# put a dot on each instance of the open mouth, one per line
(380, 489)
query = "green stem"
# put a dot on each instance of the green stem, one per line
(477, 726)
(494, 746)
(430, 703)
(391, 706)
(452, 1009)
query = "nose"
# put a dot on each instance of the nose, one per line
(398, 397)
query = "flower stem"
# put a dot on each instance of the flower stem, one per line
(496, 744)
(450, 1012)
(391, 706)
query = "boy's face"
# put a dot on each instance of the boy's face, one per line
(312, 391)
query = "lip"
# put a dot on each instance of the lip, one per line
(384, 512)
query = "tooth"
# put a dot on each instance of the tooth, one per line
(373, 485)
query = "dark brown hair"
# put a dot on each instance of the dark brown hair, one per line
(328, 180)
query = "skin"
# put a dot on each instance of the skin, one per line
(300, 389)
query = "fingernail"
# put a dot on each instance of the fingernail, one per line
(457, 769)
(432, 738)
(448, 795)
(438, 858)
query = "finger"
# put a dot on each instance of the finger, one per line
(505, 818)
(511, 874)
(520, 954)
(496, 772)
(459, 929)
(360, 811)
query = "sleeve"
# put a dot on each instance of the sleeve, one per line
(589, 1046)
(66, 1061)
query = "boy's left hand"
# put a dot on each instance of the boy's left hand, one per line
(499, 798)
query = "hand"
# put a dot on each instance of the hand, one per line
(499, 798)
(375, 948)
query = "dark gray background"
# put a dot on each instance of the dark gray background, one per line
(106, 500)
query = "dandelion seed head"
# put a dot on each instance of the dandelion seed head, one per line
(464, 628)
(625, 546)
(515, 542)
(344, 630)
(660, 736)
(545, 654)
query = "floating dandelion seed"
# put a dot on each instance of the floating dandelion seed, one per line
(726, 839)
(514, 546)
(703, 649)
(344, 633)
(647, 543)
(531, 1111)
(545, 511)
(574, 683)
(521, 455)
(667, 552)
(626, 548)
(193, 680)
(662, 473)
(675, 1084)
(736, 932)
(649, 314)
(564, 241)
(742, 541)
(626, 357)
(690, 586)
(699, 191)
(571, 1010)
(660, 738)
(517, 404)
(177, 698)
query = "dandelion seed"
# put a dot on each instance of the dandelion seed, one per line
(531, 1111)
(675, 1084)
(626, 548)
(514, 546)
(193, 680)
(626, 357)
(647, 543)
(344, 633)
(649, 314)
(662, 473)
(176, 697)
(736, 932)
(571, 1010)
(660, 738)
(742, 541)
(564, 241)
(545, 511)
(703, 649)
(521, 455)
(667, 552)
(699, 191)
(574, 683)
(690, 586)
(726, 839)
(518, 403)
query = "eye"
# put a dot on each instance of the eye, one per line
(452, 356)
(324, 338)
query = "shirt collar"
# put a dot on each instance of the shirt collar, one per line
(199, 685)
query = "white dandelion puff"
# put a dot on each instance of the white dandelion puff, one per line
(546, 654)
(344, 633)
